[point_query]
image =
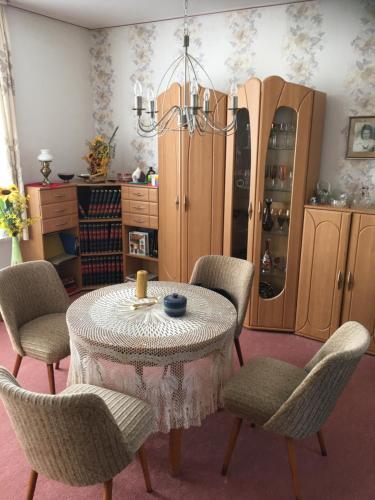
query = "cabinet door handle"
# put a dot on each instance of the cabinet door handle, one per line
(339, 280)
(250, 211)
(350, 281)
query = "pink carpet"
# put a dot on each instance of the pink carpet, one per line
(259, 468)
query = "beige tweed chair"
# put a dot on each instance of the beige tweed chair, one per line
(232, 278)
(33, 304)
(294, 402)
(83, 436)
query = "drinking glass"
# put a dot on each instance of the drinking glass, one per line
(273, 176)
(283, 172)
(281, 219)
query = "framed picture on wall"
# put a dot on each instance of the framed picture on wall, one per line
(361, 137)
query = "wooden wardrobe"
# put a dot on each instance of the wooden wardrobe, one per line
(336, 280)
(191, 192)
(275, 156)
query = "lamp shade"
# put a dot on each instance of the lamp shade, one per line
(45, 155)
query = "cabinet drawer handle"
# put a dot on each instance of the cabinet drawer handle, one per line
(339, 280)
(250, 211)
(350, 280)
(60, 195)
(61, 224)
(140, 208)
(141, 221)
(138, 194)
(60, 211)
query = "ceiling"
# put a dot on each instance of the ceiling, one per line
(105, 13)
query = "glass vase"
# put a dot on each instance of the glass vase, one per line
(16, 251)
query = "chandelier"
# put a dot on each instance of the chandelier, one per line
(193, 112)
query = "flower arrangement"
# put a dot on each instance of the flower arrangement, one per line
(101, 152)
(13, 206)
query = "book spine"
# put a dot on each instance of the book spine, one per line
(108, 203)
(91, 203)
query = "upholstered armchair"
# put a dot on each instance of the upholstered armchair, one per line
(33, 304)
(294, 402)
(232, 278)
(83, 436)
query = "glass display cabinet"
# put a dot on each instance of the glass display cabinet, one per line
(274, 178)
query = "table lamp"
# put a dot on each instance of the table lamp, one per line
(45, 159)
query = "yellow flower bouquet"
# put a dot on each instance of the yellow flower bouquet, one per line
(101, 152)
(13, 206)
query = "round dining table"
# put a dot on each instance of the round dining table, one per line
(178, 365)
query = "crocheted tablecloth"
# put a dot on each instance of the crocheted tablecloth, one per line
(178, 365)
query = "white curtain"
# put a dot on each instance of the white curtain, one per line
(10, 168)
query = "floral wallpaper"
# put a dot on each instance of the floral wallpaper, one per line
(326, 44)
(242, 27)
(360, 85)
(141, 42)
(102, 79)
(304, 41)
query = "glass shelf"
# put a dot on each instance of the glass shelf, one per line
(277, 190)
(278, 186)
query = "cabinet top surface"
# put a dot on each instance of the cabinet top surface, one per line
(370, 211)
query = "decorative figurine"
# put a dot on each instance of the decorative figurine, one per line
(138, 175)
(267, 223)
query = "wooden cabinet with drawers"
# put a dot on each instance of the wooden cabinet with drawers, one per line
(54, 209)
(140, 209)
(336, 281)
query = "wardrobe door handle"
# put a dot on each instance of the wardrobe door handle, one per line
(350, 281)
(250, 211)
(177, 201)
(185, 202)
(260, 209)
(339, 280)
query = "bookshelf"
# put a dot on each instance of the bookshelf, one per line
(140, 213)
(54, 235)
(83, 229)
(100, 233)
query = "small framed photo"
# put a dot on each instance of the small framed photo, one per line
(361, 137)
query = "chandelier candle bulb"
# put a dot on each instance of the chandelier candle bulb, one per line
(141, 284)
(234, 96)
(138, 97)
(206, 101)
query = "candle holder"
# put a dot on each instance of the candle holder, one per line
(45, 159)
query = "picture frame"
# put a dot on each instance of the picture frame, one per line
(361, 138)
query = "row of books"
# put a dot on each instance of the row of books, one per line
(100, 237)
(102, 270)
(103, 203)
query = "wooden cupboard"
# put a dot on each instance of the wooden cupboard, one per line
(191, 192)
(336, 281)
(272, 160)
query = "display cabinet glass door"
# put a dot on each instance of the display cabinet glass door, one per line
(278, 185)
(241, 185)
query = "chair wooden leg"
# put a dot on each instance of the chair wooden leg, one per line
(57, 365)
(51, 379)
(175, 442)
(293, 467)
(231, 444)
(238, 349)
(146, 474)
(32, 484)
(17, 365)
(323, 448)
(107, 490)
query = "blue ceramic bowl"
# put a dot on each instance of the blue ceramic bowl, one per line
(175, 305)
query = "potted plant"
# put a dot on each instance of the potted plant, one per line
(101, 152)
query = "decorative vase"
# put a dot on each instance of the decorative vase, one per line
(266, 264)
(267, 223)
(16, 251)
